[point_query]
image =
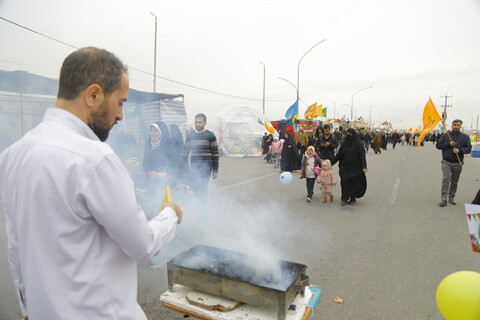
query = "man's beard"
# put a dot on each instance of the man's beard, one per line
(101, 133)
(198, 128)
(97, 123)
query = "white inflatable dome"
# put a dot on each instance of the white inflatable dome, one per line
(239, 131)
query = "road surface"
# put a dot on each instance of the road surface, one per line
(384, 256)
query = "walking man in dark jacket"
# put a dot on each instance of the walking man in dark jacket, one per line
(367, 140)
(454, 145)
(327, 144)
(395, 138)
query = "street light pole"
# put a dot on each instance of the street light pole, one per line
(370, 118)
(348, 105)
(296, 90)
(155, 57)
(351, 114)
(298, 70)
(263, 87)
(334, 107)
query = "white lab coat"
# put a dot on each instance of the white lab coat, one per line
(75, 231)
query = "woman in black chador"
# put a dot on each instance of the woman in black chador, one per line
(290, 160)
(352, 167)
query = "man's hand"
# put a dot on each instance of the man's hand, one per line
(452, 143)
(177, 210)
(214, 175)
(455, 150)
(365, 170)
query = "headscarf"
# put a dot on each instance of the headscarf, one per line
(176, 137)
(289, 141)
(156, 144)
(352, 143)
(353, 139)
(318, 132)
(326, 163)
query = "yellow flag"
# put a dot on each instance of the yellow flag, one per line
(430, 119)
(269, 129)
(310, 112)
(318, 111)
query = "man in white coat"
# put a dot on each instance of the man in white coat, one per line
(75, 231)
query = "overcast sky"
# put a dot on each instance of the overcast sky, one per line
(407, 50)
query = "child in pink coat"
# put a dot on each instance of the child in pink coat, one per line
(327, 179)
(275, 150)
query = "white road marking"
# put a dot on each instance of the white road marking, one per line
(395, 191)
(246, 181)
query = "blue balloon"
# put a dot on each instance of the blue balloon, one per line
(286, 177)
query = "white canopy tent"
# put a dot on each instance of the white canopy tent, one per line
(239, 131)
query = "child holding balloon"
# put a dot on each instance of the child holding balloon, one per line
(310, 161)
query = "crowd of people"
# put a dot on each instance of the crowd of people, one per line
(74, 226)
(313, 154)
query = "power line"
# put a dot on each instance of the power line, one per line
(148, 73)
(199, 88)
(475, 79)
(39, 33)
(26, 64)
(138, 80)
(465, 74)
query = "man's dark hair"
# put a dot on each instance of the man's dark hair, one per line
(327, 126)
(457, 120)
(88, 66)
(201, 115)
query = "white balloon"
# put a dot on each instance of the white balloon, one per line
(286, 177)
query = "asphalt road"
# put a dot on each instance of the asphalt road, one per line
(384, 256)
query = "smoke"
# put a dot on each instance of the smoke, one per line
(230, 219)
(19, 114)
(253, 231)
